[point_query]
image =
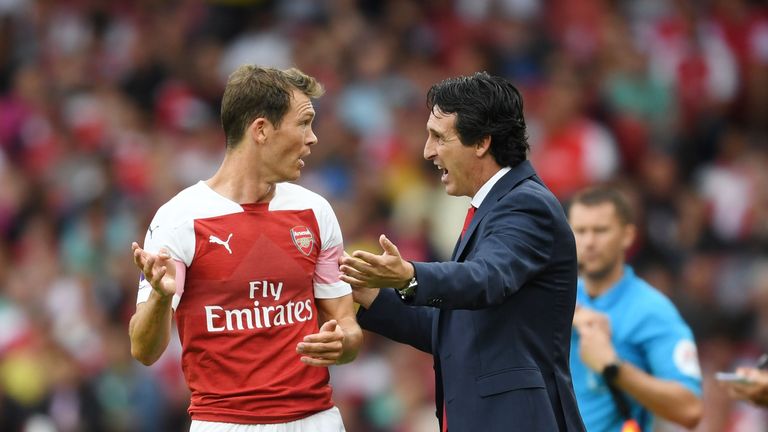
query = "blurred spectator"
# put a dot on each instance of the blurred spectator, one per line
(108, 108)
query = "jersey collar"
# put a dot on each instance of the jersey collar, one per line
(609, 297)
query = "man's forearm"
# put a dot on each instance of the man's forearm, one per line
(150, 328)
(353, 339)
(667, 399)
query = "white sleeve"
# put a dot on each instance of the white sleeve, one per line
(327, 280)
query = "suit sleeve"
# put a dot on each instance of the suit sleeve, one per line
(391, 318)
(516, 243)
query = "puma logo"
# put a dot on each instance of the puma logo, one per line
(152, 230)
(214, 239)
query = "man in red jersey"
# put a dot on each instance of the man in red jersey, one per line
(248, 265)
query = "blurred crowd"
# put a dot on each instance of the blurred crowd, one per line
(107, 109)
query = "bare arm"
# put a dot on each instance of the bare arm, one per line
(664, 398)
(339, 337)
(150, 325)
(667, 399)
(150, 328)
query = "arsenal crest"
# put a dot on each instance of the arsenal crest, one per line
(303, 239)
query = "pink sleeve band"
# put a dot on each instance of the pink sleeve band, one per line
(327, 268)
(181, 276)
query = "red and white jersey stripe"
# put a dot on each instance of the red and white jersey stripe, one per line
(247, 280)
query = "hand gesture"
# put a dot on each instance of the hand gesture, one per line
(323, 348)
(159, 269)
(595, 346)
(366, 270)
(585, 317)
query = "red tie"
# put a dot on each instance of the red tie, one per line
(445, 419)
(468, 219)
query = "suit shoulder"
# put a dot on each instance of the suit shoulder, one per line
(532, 194)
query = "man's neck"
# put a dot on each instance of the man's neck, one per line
(483, 173)
(241, 182)
(596, 286)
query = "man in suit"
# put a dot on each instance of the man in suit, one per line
(497, 317)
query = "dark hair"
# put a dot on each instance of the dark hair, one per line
(605, 194)
(254, 92)
(484, 105)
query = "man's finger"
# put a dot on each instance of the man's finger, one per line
(355, 283)
(388, 246)
(366, 257)
(163, 254)
(359, 265)
(149, 262)
(329, 326)
(349, 271)
(138, 255)
(157, 277)
(320, 349)
(317, 362)
(137, 259)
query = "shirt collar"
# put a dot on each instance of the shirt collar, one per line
(483, 192)
(609, 297)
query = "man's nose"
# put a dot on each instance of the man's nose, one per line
(588, 239)
(311, 138)
(429, 150)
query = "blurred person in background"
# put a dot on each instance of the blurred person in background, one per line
(496, 318)
(115, 103)
(248, 264)
(632, 354)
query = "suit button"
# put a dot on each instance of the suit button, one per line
(436, 301)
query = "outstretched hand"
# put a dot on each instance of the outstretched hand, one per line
(323, 348)
(366, 270)
(158, 269)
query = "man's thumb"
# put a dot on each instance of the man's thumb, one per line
(388, 246)
(329, 326)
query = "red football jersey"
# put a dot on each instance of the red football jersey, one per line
(252, 274)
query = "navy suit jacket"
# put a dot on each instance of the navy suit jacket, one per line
(497, 318)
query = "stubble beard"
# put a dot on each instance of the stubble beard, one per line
(601, 273)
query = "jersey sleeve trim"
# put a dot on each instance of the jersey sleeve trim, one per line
(334, 290)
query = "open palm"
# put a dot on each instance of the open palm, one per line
(158, 269)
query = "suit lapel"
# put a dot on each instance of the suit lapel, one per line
(511, 179)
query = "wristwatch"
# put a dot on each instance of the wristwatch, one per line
(407, 293)
(611, 371)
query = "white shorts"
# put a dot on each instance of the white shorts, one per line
(324, 421)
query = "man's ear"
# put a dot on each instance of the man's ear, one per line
(483, 146)
(259, 130)
(630, 233)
